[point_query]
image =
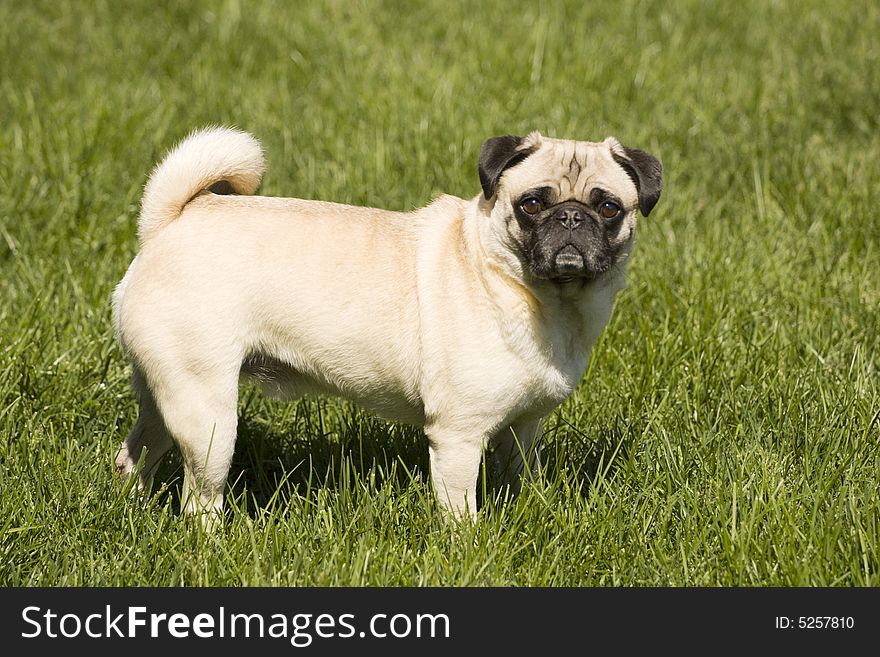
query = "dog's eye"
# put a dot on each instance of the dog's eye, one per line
(530, 205)
(609, 209)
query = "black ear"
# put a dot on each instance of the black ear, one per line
(646, 173)
(497, 155)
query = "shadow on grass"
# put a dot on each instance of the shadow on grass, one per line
(280, 462)
(273, 462)
(589, 454)
(302, 463)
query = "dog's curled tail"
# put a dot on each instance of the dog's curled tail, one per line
(206, 158)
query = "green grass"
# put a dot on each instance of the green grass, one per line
(727, 432)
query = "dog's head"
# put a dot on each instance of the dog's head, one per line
(567, 208)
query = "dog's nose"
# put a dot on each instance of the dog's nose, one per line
(571, 218)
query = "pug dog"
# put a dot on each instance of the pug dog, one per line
(472, 318)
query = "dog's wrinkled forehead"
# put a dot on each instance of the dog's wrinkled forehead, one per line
(571, 168)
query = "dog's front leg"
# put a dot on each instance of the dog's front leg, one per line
(455, 464)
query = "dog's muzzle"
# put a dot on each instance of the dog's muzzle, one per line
(581, 250)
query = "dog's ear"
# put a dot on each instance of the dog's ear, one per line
(498, 154)
(646, 173)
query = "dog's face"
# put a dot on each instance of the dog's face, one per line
(567, 209)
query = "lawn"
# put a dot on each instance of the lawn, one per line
(727, 430)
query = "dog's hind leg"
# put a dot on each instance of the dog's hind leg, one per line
(149, 439)
(199, 407)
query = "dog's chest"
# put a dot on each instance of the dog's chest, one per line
(554, 357)
(552, 377)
